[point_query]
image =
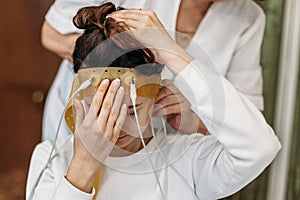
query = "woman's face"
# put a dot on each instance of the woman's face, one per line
(129, 138)
(129, 135)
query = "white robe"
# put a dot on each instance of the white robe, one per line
(240, 147)
(231, 34)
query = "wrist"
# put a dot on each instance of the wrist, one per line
(81, 174)
(175, 58)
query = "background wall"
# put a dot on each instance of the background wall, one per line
(293, 187)
(257, 190)
(26, 71)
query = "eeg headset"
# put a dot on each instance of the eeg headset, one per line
(134, 84)
(144, 85)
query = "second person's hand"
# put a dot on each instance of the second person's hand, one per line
(148, 29)
(177, 110)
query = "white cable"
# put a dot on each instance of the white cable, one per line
(83, 86)
(157, 146)
(133, 99)
(165, 158)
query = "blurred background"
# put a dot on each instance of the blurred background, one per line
(27, 70)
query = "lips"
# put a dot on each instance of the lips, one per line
(121, 137)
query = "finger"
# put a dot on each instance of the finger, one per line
(170, 99)
(167, 82)
(114, 111)
(135, 20)
(79, 113)
(120, 121)
(98, 98)
(163, 92)
(135, 14)
(167, 89)
(173, 109)
(107, 103)
(133, 24)
(126, 15)
(131, 10)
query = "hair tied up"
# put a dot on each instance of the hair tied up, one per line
(121, 50)
(92, 16)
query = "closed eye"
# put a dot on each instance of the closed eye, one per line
(131, 113)
(130, 108)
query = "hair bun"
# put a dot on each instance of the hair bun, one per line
(93, 16)
(121, 50)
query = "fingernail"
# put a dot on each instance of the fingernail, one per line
(105, 81)
(121, 90)
(117, 81)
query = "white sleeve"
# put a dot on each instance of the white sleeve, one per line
(245, 72)
(61, 13)
(50, 186)
(245, 142)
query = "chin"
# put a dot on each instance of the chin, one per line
(124, 140)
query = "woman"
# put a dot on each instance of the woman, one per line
(230, 32)
(190, 167)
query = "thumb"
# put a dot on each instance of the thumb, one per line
(79, 113)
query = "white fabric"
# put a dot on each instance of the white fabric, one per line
(241, 145)
(231, 34)
(57, 99)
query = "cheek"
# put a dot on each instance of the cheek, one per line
(145, 115)
(130, 126)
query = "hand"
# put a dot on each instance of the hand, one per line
(96, 133)
(147, 28)
(172, 104)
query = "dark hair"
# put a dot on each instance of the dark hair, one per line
(105, 43)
